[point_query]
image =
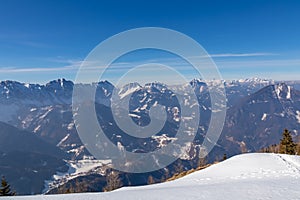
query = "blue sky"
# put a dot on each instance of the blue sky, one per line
(45, 40)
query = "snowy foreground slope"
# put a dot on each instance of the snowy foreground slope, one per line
(247, 176)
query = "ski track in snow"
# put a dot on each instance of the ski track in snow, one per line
(290, 164)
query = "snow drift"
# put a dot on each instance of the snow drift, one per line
(246, 176)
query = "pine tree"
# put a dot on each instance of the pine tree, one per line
(287, 146)
(113, 181)
(178, 167)
(224, 156)
(5, 188)
(202, 162)
(150, 180)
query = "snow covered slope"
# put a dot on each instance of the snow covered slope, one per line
(247, 176)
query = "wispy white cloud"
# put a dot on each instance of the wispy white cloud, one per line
(242, 64)
(72, 65)
(224, 55)
(22, 70)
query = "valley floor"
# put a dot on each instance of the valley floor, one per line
(246, 176)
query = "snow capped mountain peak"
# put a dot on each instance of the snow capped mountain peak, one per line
(132, 85)
(197, 82)
(59, 84)
(157, 85)
(129, 89)
(251, 81)
(282, 91)
(104, 83)
(257, 80)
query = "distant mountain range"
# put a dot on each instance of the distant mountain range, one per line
(37, 125)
